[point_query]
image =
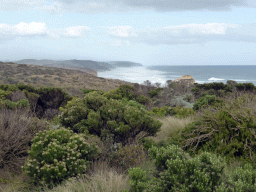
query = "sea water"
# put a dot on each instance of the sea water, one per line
(201, 74)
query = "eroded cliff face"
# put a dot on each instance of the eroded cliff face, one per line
(186, 80)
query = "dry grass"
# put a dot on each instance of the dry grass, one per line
(171, 125)
(101, 179)
(70, 79)
(18, 183)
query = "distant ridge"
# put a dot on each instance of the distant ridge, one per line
(124, 64)
(75, 64)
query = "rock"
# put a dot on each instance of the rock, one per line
(186, 80)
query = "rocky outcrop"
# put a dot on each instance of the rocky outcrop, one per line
(186, 80)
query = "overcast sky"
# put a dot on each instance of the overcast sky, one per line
(151, 32)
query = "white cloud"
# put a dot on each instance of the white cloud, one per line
(186, 34)
(22, 29)
(76, 31)
(8, 32)
(122, 31)
(33, 28)
(19, 5)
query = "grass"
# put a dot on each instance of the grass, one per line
(101, 179)
(170, 125)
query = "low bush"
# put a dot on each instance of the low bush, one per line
(218, 89)
(23, 103)
(177, 111)
(56, 155)
(97, 115)
(177, 171)
(17, 129)
(206, 101)
(244, 179)
(129, 156)
(127, 92)
(228, 130)
(155, 92)
(245, 86)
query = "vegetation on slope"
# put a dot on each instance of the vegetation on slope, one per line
(114, 141)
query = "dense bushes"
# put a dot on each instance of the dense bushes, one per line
(40, 100)
(172, 111)
(176, 171)
(98, 115)
(155, 92)
(17, 129)
(206, 101)
(218, 89)
(245, 86)
(56, 155)
(229, 130)
(127, 92)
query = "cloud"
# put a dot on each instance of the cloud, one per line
(75, 32)
(22, 29)
(186, 34)
(182, 5)
(19, 5)
(122, 31)
(104, 6)
(8, 32)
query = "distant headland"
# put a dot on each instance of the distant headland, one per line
(88, 66)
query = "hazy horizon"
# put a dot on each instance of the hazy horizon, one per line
(179, 32)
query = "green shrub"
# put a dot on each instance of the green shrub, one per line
(177, 111)
(160, 112)
(23, 103)
(180, 112)
(127, 92)
(154, 92)
(206, 101)
(123, 91)
(56, 155)
(143, 100)
(228, 131)
(218, 89)
(138, 179)
(148, 143)
(177, 171)
(3, 94)
(97, 115)
(85, 91)
(245, 86)
(244, 178)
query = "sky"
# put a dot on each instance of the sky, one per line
(150, 32)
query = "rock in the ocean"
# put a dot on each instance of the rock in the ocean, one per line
(187, 80)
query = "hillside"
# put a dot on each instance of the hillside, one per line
(77, 64)
(70, 79)
(124, 64)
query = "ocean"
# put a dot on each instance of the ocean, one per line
(201, 74)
